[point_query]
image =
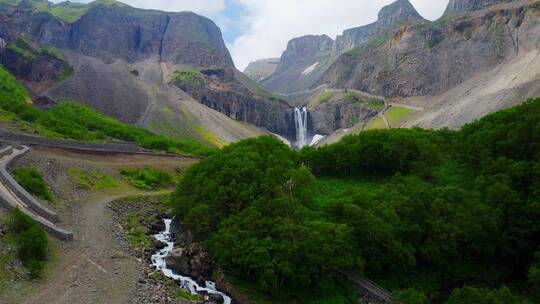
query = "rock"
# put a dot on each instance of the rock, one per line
(178, 261)
(157, 227)
(461, 6)
(159, 244)
(215, 298)
(227, 91)
(3, 44)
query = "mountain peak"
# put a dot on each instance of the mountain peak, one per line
(306, 46)
(398, 11)
(461, 6)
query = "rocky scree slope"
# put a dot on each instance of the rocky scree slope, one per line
(428, 58)
(122, 60)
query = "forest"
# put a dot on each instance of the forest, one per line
(432, 216)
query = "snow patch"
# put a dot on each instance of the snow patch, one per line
(310, 69)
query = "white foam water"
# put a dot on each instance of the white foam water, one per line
(158, 261)
(301, 121)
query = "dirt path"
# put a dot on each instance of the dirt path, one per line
(94, 269)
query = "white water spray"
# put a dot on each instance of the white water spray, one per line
(158, 261)
(301, 121)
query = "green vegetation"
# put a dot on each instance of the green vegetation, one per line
(396, 114)
(75, 121)
(376, 123)
(375, 103)
(351, 97)
(186, 294)
(371, 44)
(188, 75)
(31, 242)
(322, 98)
(32, 180)
(67, 11)
(25, 50)
(94, 180)
(147, 178)
(259, 89)
(432, 216)
(136, 232)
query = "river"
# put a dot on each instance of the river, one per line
(158, 261)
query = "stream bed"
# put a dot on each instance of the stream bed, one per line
(158, 261)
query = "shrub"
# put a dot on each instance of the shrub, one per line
(147, 178)
(31, 180)
(32, 243)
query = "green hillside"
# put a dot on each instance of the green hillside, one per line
(67, 11)
(72, 120)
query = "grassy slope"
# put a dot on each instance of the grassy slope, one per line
(67, 11)
(395, 115)
(75, 121)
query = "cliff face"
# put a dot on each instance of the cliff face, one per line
(306, 58)
(303, 62)
(430, 58)
(220, 90)
(261, 69)
(111, 32)
(460, 6)
(121, 59)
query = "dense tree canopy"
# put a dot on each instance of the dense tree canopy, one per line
(434, 216)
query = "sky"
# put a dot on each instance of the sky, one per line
(256, 29)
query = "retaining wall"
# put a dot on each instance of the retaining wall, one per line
(21, 193)
(5, 151)
(92, 147)
(42, 215)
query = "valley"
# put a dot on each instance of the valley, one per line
(397, 162)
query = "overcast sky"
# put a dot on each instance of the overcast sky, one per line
(255, 29)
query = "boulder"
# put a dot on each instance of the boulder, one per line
(157, 227)
(178, 261)
(215, 298)
(159, 244)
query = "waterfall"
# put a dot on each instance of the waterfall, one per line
(301, 121)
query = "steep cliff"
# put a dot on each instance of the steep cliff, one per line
(461, 6)
(222, 90)
(429, 58)
(122, 59)
(302, 63)
(306, 58)
(261, 69)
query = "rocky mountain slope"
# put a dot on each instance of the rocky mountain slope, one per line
(121, 60)
(307, 58)
(261, 69)
(479, 57)
(302, 63)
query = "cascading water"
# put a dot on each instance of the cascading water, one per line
(301, 123)
(158, 261)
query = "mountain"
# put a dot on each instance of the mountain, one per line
(306, 58)
(301, 64)
(480, 57)
(460, 6)
(121, 60)
(261, 69)
(495, 48)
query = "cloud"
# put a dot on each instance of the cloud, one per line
(270, 24)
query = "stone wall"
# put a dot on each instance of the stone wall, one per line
(40, 214)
